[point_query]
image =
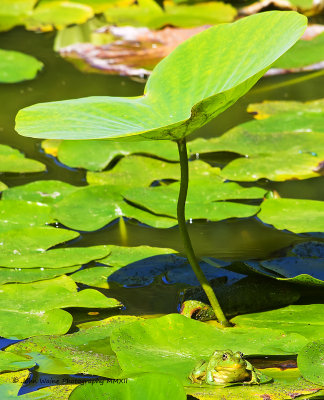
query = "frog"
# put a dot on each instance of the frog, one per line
(226, 367)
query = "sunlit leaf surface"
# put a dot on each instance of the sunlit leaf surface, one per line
(11, 160)
(13, 362)
(17, 67)
(310, 362)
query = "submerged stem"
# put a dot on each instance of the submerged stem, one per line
(182, 147)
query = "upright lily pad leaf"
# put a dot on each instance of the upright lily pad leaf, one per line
(56, 258)
(19, 275)
(146, 386)
(34, 308)
(17, 67)
(175, 343)
(162, 113)
(47, 192)
(16, 214)
(306, 320)
(11, 160)
(95, 155)
(13, 362)
(87, 351)
(310, 362)
(294, 215)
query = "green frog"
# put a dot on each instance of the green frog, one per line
(225, 367)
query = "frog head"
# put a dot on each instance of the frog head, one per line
(228, 360)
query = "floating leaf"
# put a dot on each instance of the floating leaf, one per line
(16, 214)
(34, 308)
(58, 14)
(13, 12)
(142, 171)
(294, 215)
(267, 108)
(56, 258)
(163, 200)
(306, 320)
(303, 53)
(20, 275)
(14, 362)
(161, 113)
(33, 240)
(3, 186)
(146, 386)
(303, 265)
(47, 192)
(87, 351)
(310, 362)
(149, 13)
(17, 67)
(11, 160)
(98, 206)
(95, 155)
(175, 343)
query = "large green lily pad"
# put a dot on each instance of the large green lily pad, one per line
(17, 214)
(175, 343)
(25, 275)
(293, 214)
(56, 258)
(31, 309)
(98, 205)
(146, 386)
(306, 320)
(200, 85)
(13, 12)
(47, 192)
(136, 171)
(14, 362)
(95, 155)
(17, 67)
(11, 160)
(148, 13)
(87, 351)
(310, 361)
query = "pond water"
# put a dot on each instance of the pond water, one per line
(233, 240)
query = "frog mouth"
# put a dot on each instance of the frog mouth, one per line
(233, 367)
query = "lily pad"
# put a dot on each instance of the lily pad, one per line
(95, 155)
(148, 13)
(161, 113)
(19, 275)
(47, 192)
(303, 265)
(14, 362)
(146, 386)
(17, 214)
(58, 14)
(17, 67)
(33, 240)
(135, 171)
(56, 258)
(34, 308)
(175, 343)
(11, 160)
(163, 200)
(87, 351)
(310, 362)
(13, 12)
(294, 215)
(3, 186)
(306, 320)
(98, 205)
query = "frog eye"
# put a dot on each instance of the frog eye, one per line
(242, 355)
(225, 356)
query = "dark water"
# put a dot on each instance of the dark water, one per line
(60, 80)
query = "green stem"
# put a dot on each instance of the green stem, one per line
(182, 147)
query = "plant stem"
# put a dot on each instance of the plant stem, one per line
(182, 147)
